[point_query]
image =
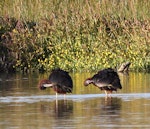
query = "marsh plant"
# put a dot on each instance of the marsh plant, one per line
(81, 35)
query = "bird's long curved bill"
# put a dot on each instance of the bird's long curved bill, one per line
(48, 85)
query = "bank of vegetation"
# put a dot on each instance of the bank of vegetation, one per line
(80, 35)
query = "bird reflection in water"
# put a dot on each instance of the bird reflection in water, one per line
(63, 108)
(110, 111)
(111, 105)
(59, 109)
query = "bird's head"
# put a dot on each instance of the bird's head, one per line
(41, 84)
(88, 81)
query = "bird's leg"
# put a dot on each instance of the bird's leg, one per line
(64, 96)
(65, 99)
(106, 93)
(56, 95)
(56, 103)
(110, 93)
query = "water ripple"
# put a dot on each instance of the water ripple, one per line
(81, 97)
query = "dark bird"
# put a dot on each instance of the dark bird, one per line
(106, 79)
(59, 80)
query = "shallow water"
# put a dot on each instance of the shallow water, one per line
(24, 106)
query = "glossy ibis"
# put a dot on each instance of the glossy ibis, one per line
(59, 80)
(106, 79)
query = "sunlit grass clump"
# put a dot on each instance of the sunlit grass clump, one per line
(74, 35)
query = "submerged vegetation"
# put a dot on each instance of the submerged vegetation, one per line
(80, 35)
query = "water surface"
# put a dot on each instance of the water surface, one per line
(24, 106)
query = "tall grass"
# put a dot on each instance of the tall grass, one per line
(38, 9)
(74, 35)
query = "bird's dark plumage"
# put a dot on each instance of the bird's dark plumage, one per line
(59, 80)
(106, 79)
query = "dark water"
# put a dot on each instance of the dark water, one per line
(24, 106)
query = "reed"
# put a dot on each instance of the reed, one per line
(38, 9)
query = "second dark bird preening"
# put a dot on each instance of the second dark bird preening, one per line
(106, 79)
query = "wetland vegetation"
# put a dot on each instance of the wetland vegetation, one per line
(80, 35)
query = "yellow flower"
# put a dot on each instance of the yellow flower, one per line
(14, 31)
(38, 35)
